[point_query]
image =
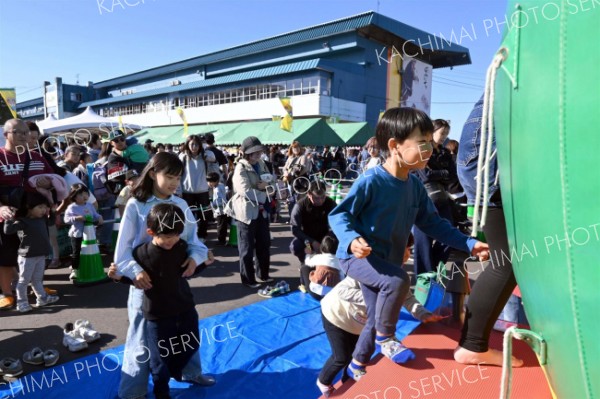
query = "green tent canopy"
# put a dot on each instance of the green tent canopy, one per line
(314, 132)
(163, 134)
(353, 133)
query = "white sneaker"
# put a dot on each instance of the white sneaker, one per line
(84, 330)
(47, 300)
(71, 339)
(74, 274)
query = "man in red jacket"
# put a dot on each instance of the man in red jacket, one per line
(15, 158)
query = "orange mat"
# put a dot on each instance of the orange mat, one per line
(435, 374)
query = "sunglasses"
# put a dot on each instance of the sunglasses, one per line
(118, 139)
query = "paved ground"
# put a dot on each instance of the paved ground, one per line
(217, 290)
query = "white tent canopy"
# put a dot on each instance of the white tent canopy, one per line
(88, 119)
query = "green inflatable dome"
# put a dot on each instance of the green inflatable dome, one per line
(547, 122)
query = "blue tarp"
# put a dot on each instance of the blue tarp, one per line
(271, 349)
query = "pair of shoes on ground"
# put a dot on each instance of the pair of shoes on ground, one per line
(10, 367)
(279, 289)
(77, 335)
(39, 357)
(24, 307)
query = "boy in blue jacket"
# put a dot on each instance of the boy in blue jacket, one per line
(373, 223)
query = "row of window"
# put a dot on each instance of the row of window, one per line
(295, 87)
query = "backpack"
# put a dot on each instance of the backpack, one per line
(97, 178)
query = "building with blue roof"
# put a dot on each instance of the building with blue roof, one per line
(348, 70)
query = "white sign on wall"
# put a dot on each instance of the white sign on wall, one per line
(416, 85)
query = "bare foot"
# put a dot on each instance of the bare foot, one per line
(492, 356)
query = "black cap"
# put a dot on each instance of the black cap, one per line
(149, 141)
(251, 145)
(210, 138)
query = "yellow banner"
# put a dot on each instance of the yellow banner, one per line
(287, 119)
(8, 105)
(185, 124)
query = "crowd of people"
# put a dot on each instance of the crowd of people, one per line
(350, 251)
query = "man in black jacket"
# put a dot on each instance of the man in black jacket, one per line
(309, 220)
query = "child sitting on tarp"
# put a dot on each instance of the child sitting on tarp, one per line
(321, 272)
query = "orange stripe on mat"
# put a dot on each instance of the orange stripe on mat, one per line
(435, 374)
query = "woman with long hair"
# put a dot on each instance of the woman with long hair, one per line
(297, 165)
(157, 184)
(194, 186)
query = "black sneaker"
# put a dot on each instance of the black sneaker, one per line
(268, 280)
(252, 285)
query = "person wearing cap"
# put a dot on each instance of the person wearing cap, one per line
(250, 207)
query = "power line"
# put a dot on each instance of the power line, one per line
(462, 83)
(482, 80)
(455, 85)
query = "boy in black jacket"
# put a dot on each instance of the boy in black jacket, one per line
(169, 308)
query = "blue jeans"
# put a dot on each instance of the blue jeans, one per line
(104, 232)
(384, 286)
(511, 310)
(136, 359)
(468, 154)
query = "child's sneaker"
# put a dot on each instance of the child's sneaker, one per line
(72, 340)
(85, 331)
(35, 356)
(283, 287)
(47, 300)
(10, 367)
(356, 373)
(74, 274)
(266, 292)
(395, 351)
(50, 357)
(326, 390)
(24, 307)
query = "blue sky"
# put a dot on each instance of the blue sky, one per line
(93, 40)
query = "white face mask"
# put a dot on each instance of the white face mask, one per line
(204, 145)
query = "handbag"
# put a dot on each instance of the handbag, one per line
(430, 290)
(15, 198)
